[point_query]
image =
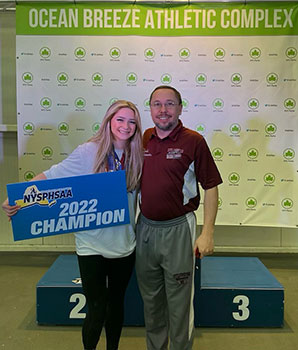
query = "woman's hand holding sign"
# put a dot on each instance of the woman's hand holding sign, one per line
(10, 210)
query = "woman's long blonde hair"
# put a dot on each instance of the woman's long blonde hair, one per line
(133, 150)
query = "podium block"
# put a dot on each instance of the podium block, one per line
(60, 298)
(230, 292)
(238, 292)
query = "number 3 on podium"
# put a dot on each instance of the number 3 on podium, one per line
(243, 302)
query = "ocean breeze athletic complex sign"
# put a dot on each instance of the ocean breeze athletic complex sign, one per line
(72, 204)
(116, 18)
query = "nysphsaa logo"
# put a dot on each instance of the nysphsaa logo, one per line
(33, 196)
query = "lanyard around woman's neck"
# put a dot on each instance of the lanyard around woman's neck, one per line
(114, 164)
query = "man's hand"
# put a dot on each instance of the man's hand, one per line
(204, 245)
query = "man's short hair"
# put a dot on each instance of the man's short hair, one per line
(177, 93)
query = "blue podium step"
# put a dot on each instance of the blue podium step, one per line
(60, 299)
(238, 292)
(230, 292)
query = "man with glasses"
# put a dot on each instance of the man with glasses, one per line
(176, 159)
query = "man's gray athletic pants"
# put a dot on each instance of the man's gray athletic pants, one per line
(165, 271)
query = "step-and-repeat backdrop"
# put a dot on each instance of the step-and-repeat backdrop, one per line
(234, 64)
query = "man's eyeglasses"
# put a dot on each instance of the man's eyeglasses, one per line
(168, 105)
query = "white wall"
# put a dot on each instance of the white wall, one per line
(227, 238)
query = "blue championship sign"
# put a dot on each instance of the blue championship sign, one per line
(69, 204)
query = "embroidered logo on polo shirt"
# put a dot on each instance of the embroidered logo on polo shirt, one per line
(174, 153)
(147, 153)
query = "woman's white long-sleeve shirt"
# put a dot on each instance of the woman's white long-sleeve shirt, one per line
(110, 242)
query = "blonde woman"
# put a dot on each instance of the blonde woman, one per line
(106, 256)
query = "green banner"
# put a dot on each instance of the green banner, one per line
(203, 19)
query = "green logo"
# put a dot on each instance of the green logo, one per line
(218, 103)
(28, 128)
(113, 99)
(217, 153)
(271, 129)
(236, 78)
(115, 53)
(80, 52)
(219, 202)
(201, 129)
(251, 202)
(288, 153)
(253, 103)
(95, 127)
(287, 203)
(149, 53)
(185, 103)
(63, 128)
(166, 78)
(62, 78)
(97, 78)
(269, 178)
(29, 175)
(147, 104)
(272, 78)
(47, 152)
(219, 53)
(27, 77)
(131, 78)
(252, 153)
(234, 178)
(46, 103)
(184, 53)
(235, 129)
(45, 52)
(201, 78)
(80, 102)
(290, 103)
(255, 53)
(291, 52)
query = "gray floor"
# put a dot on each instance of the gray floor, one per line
(19, 273)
